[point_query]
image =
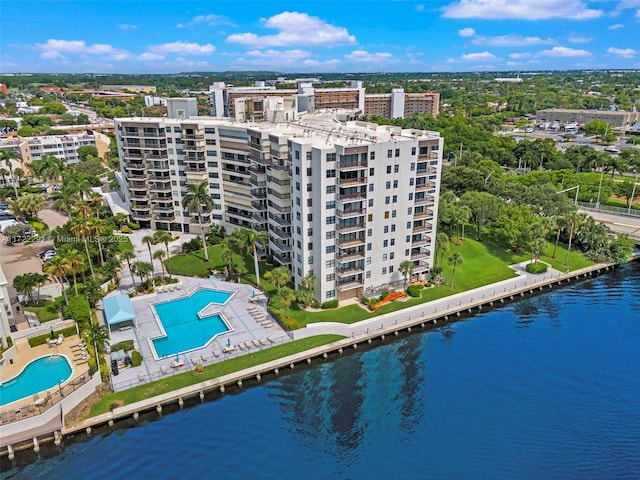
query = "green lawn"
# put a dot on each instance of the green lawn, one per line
(45, 310)
(125, 245)
(185, 379)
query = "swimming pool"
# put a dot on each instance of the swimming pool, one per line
(184, 329)
(38, 376)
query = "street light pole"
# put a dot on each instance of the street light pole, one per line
(633, 193)
(599, 189)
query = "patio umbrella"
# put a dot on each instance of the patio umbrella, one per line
(52, 335)
(228, 342)
(253, 294)
(177, 357)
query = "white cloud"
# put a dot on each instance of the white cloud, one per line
(295, 28)
(467, 32)
(148, 56)
(622, 52)
(511, 41)
(519, 56)
(185, 48)
(564, 52)
(626, 5)
(127, 26)
(210, 20)
(58, 48)
(616, 26)
(520, 9)
(362, 56)
(573, 38)
(638, 13)
(419, 7)
(479, 56)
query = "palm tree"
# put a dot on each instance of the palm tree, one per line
(159, 255)
(98, 228)
(128, 255)
(120, 219)
(98, 334)
(7, 155)
(65, 199)
(39, 279)
(455, 260)
(306, 291)
(59, 268)
(142, 269)
(461, 215)
(406, 269)
(24, 284)
(83, 209)
(574, 220)
(3, 173)
(442, 245)
(162, 236)
(76, 264)
(196, 200)
(248, 241)
(49, 167)
(19, 174)
(280, 277)
(226, 254)
(81, 228)
(148, 239)
(285, 297)
(79, 182)
(538, 246)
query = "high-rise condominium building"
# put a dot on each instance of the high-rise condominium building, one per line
(345, 200)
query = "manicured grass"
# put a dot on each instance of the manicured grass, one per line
(210, 372)
(45, 310)
(125, 245)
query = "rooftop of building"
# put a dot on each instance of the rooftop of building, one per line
(570, 110)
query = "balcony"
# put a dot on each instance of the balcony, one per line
(280, 245)
(206, 220)
(421, 242)
(258, 193)
(350, 242)
(351, 227)
(136, 176)
(160, 186)
(279, 182)
(196, 175)
(356, 212)
(346, 166)
(258, 205)
(167, 209)
(280, 220)
(257, 169)
(427, 227)
(349, 270)
(158, 166)
(258, 218)
(419, 256)
(158, 156)
(347, 182)
(281, 168)
(165, 218)
(351, 197)
(424, 215)
(138, 186)
(283, 234)
(192, 146)
(283, 259)
(253, 180)
(141, 216)
(349, 285)
(139, 197)
(425, 186)
(192, 136)
(140, 208)
(279, 208)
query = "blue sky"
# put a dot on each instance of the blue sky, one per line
(318, 36)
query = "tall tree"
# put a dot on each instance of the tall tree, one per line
(442, 247)
(98, 228)
(196, 200)
(143, 270)
(285, 297)
(406, 269)
(59, 268)
(24, 284)
(76, 265)
(280, 276)
(484, 208)
(81, 228)
(148, 239)
(455, 261)
(128, 255)
(159, 255)
(7, 155)
(249, 241)
(306, 292)
(574, 220)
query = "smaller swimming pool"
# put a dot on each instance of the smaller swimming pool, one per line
(38, 376)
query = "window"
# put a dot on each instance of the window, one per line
(309, 202)
(210, 153)
(169, 140)
(387, 185)
(371, 170)
(331, 277)
(395, 199)
(413, 166)
(387, 200)
(370, 217)
(331, 157)
(393, 242)
(393, 214)
(309, 217)
(392, 255)
(370, 232)
(384, 257)
(386, 215)
(177, 129)
(209, 130)
(369, 247)
(310, 260)
(215, 185)
(393, 227)
(298, 244)
(331, 189)
(297, 154)
(310, 246)
(298, 217)
(297, 170)
(384, 270)
(386, 229)
(331, 220)
(409, 210)
(331, 249)
(308, 171)
(309, 187)
(309, 155)
(370, 203)
(329, 263)
(298, 230)
(371, 187)
(212, 164)
(406, 252)
(395, 184)
(388, 168)
(298, 201)
(298, 186)
(411, 197)
(413, 150)
(331, 294)
(368, 274)
(310, 232)
(385, 243)
(396, 167)
(331, 173)
(411, 182)
(389, 154)
(390, 268)
(331, 234)
(331, 204)
(372, 155)
(424, 150)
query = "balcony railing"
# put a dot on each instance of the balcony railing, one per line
(352, 270)
(257, 183)
(352, 165)
(350, 256)
(258, 193)
(351, 228)
(192, 136)
(345, 182)
(280, 220)
(350, 197)
(280, 245)
(349, 285)
(257, 169)
(256, 217)
(351, 242)
(258, 205)
(279, 208)
(165, 218)
(283, 259)
(350, 213)
(140, 216)
(419, 256)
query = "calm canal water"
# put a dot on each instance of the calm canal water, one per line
(543, 388)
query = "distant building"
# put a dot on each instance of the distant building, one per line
(61, 146)
(5, 310)
(130, 88)
(3, 88)
(249, 103)
(618, 119)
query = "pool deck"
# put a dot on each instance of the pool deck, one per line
(26, 354)
(245, 314)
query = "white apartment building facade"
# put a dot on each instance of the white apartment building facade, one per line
(346, 201)
(61, 146)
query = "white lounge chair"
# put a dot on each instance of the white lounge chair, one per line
(263, 342)
(271, 339)
(256, 343)
(241, 346)
(216, 353)
(268, 325)
(60, 339)
(140, 376)
(204, 357)
(163, 369)
(194, 360)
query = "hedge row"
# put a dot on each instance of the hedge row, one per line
(42, 339)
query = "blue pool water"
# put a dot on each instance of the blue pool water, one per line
(185, 330)
(37, 376)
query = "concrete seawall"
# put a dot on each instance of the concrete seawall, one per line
(367, 333)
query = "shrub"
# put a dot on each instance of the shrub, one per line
(42, 339)
(133, 225)
(536, 268)
(78, 309)
(289, 322)
(192, 245)
(364, 301)
(126, 345)
(330, 304)
(136, 359)
(126, 230)
(199, 368)
(384, 295)
(39, 227)
(414, 290)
